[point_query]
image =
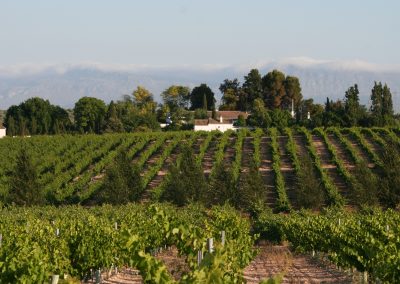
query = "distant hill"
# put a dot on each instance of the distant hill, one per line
(64, 85)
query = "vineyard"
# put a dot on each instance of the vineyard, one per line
(72, 168)
(218, 244)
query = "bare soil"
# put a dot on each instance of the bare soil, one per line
(267, 172)
(272, 261)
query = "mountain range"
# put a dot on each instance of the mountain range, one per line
(65, 84)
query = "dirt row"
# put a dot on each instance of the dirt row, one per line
(271, 262)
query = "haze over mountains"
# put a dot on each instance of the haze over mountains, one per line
(65, 84)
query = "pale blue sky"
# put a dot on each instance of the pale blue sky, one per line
(177, 32)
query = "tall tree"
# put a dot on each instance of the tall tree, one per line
(292, 92)
(387, 103)
(222, 187)
(25, 188)
(185, 181)
(273, 89)
(176, 97)
(89, 114)
(334, 113)
(37, 116)
(352, 106)
(251, 90)
(230, 90)
(197, 95)
(389, 183)
(381, 105)
(309, 192)
(122, 183)
(259, 116)
(376, 101)
(143, 100)
(250, 189)
(112, 122)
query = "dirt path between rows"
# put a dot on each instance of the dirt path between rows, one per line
(266, 171)
(271, 261)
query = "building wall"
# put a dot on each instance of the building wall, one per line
(211, 127)
(2, 133)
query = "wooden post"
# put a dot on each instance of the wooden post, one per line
(1, 239)
(199, 257)
(54, 279)
(98, 276)
(210, 245)
(365, 277)
(116, 226)
(223, 238)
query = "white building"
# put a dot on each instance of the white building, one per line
(226, 120)
(2, 131)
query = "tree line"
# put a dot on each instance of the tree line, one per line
(269, 99)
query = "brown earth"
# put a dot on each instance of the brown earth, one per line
(272, 261)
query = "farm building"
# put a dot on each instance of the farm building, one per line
(2, 131)
(226, 120)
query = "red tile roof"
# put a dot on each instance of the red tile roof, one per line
(229, 114)
(201, 122)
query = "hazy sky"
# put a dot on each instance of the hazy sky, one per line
(188, 32)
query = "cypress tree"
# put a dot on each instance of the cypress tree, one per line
(309, 192)
(389, 183)
(122, 183)
(25, 188)
(365, 187)
(222, 187)
(251, 190)
(185, 181)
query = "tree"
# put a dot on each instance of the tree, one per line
(37, 116)
(309, 192)
(38, 113)
(292, 92)
(389, 182)
(381, 105)
(259, 116)
(387, 106)
(250, 190)
(185, 181)
(314, 111)
(205, 106)
(12, 120)
(61, 118)
(352, 106)
(143, 100)
(112, 121)
(279, 118)
(230, 94)
(89, 114)
(230, 99)
(273, 89)
(11, 129)
(334, 113)
(197, 97)
(25, 188)
(222, 187)
(122, 183)
(251, 90)
(176, 97)
(365, 187)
